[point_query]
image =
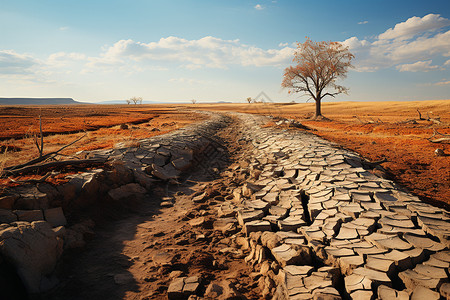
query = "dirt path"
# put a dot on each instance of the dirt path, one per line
(137, 256)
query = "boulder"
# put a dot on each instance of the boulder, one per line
(55, 216)
(33, 249)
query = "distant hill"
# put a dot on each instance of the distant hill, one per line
(37, 101)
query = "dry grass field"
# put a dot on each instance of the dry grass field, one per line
(376, 130)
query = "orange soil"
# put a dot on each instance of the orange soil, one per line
(101, 122)
(410, 155)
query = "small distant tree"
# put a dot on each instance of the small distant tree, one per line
(249, 99)
(128, 101)
(135, 100)
(319, 65)
(193, 101)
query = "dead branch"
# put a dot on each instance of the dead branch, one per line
(359, 119)
(445, 138)
(420, 115)
(440, 140)
(54, 164)
(43, 157)
(40, 180)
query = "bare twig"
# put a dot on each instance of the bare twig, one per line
(445, 138)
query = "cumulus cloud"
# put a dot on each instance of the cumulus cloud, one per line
(283, 44)
(420, 66)
(416, 39)
(12, 62)
(259, 7)
(363, 22)
(414, 26)
(210, 52)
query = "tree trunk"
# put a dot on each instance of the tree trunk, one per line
(318, 108)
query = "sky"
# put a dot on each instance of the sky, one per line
(211, 50)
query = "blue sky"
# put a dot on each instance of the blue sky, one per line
(217, 50)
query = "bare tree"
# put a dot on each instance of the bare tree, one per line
(128, 101)
(136, 100)
(249, 99)
(319, 65)
(193, 101)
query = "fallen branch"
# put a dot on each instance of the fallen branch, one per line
(43, 157)
(53, 164)
(40, 180)
(445, 138)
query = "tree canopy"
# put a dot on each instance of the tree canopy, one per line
(319, 65)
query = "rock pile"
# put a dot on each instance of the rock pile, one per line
(33, 226)
(330, 228)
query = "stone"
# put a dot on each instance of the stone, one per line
(423, 242)
(430, 271)
(128, 191)
(249, 215)
(292, 254)
(182, 164)
(33, 249)
(162, 258)
(222, 290)
(256, 225)
(29, 215)
(348, 263)
(7, 216)
(327, 293)
(291, 223)
(412, 279)
(55, 216)
(270, 239)
(388, 242)
(381, 265)
(375, 276)
(362, 295)
(388, 293)
(356, 282)
(444, 290)
(421, 293)
(347, 234)
(165, 173)
(197, 221)
(402, 261)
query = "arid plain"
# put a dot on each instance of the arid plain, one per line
(389, 131)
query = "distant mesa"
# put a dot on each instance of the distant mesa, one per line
(38, 101)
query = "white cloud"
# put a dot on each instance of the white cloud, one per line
(60, 59)
(259, 7)
(12, 62)
(283, 44)
(63, 28)
(420, 66)
(417, 39)
(414, 26)
(363, 22)
(447, 63)
(441, 83)
(210, 52)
